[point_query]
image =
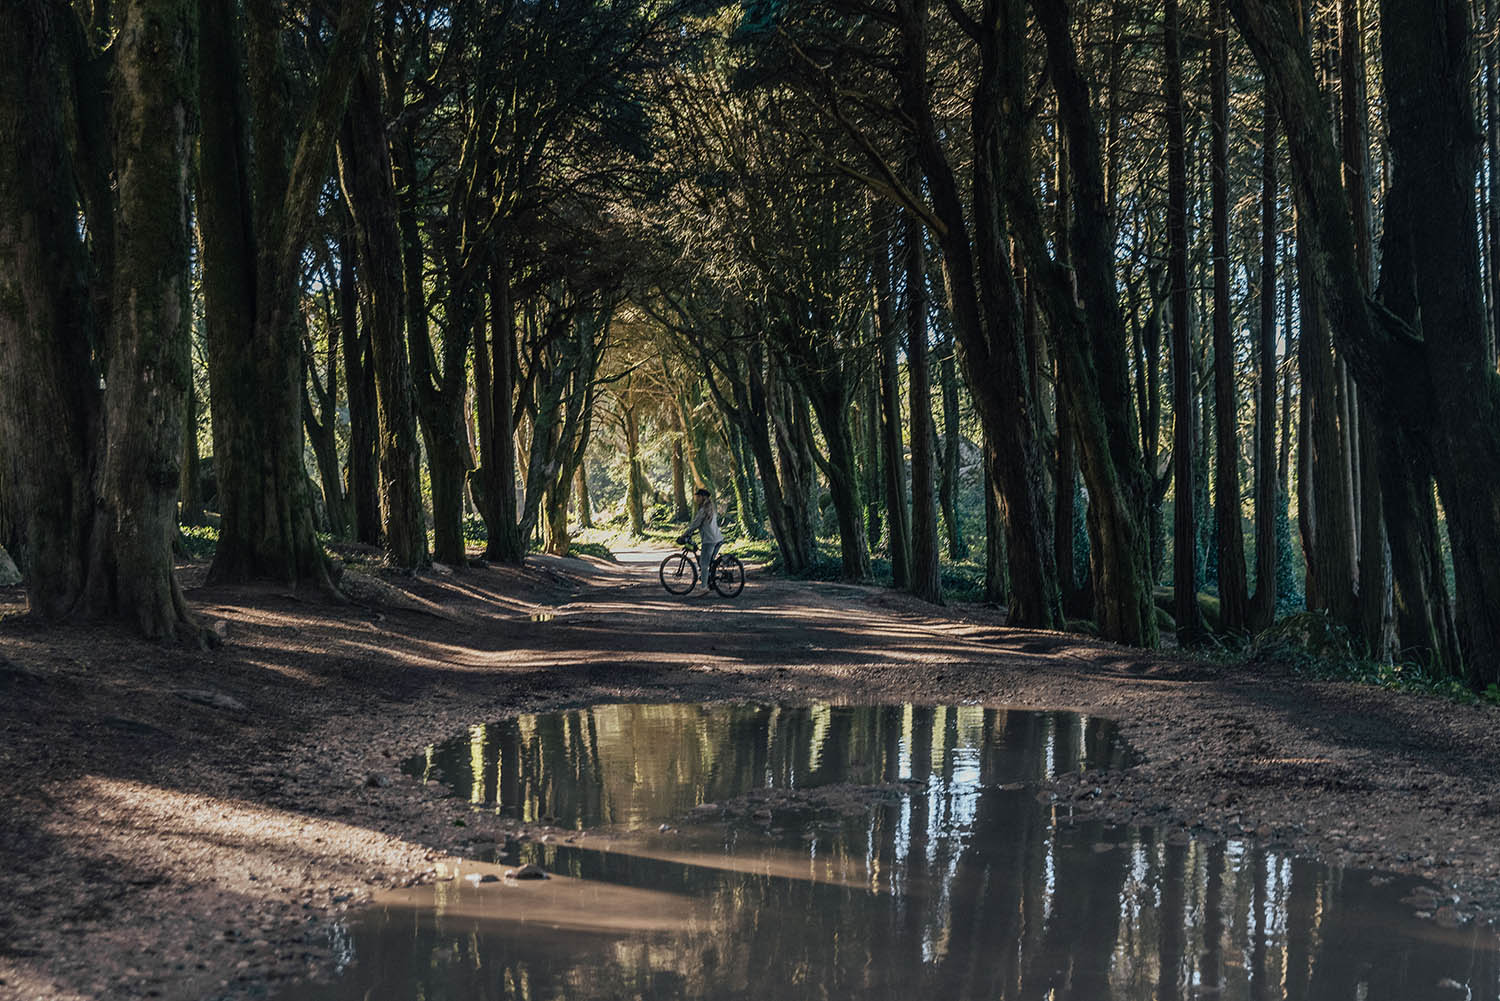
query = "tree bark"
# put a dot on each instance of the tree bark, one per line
(994, 534)
(365, 172)
(1234, 598)
(498, 476)
(891, 421)
(1267, 483)
(1091, 342)
(1190, 627)
(255, 218)
(49, 391)
(149, 370)
(985, 303)
(948, 484)
(320, 416)
(581, 491)
(636, 485)
(926, 579)
(359, 386)
(1432, 390)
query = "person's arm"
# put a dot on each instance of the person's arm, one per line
(698, 520)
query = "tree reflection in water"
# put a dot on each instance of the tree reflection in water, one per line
(960, 884)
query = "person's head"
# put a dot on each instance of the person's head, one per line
(703, 497)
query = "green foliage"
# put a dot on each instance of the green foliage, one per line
(598, 550)
(1289, 596)
(199, 542)
(1314, 646)
(475, 530)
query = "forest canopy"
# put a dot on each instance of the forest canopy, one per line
(1158, 319)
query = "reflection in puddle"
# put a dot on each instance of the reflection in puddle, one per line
(953, 881)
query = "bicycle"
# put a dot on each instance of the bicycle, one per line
(679, 573)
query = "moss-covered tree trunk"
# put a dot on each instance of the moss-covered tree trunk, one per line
(635, 487)
(680, 510)
(581, 491)
(149, 370)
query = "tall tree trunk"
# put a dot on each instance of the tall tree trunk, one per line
(1065, 452)
(874, 484)
(1375, 593)
(636, 486)
(149, 369)
(891, 421)
(320, 417)
(1323, 510)
(739, 480)
(1091, 343)
(1064, 501)
(798, 473)
(365, 172)
(1267, 483)
(985, 303)
(994, 537)
(581, 491)
(1234, 598)
(681, 512)
(948, 485)
(1189, 618)
(1431, 390)
(255, 218)
(359, 386)
(926, 580)
(498, 476)
(747, 408)
(1431, 234)
(1491, 62)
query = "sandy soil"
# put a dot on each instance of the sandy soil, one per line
(185, 824)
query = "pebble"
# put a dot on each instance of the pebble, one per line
(528, 871)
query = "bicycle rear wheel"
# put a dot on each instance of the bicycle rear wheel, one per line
(678, 574)
(729, 576)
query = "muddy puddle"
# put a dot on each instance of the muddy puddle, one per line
(830, 852)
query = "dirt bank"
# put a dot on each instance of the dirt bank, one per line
(182, 824)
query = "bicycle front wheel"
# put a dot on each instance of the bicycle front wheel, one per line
(729, 576)
(678, 574)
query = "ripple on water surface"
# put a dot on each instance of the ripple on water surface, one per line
(867, 852)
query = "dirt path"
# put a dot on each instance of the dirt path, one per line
(188, 825)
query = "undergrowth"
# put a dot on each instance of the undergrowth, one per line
(1312, 646)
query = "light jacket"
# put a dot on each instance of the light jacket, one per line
(707, 521)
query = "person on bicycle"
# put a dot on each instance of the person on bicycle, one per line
(706, 524)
